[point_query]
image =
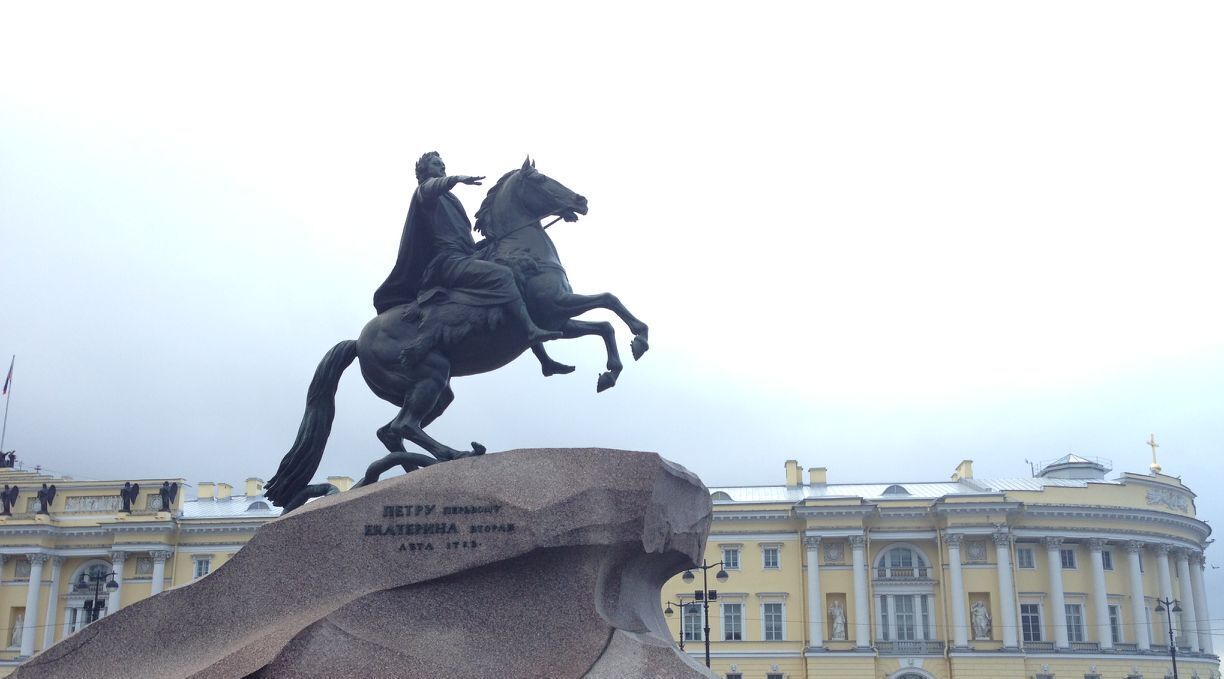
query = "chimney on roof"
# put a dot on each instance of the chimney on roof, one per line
(205, 490)
(254, 487)
(964, 470)
(793, 475)
(818, 476)
(224, 491)
(342, 483)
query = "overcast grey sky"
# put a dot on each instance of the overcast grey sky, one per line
(878, 237)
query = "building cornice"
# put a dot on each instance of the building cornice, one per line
(1107, 513)
(825, 511)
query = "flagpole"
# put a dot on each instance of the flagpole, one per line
(8, 393)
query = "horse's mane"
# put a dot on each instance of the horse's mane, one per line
(485, 214)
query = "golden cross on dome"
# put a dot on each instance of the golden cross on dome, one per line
(1155, 466)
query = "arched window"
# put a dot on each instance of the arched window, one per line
(902, 562)
(896, 490)
(719, 496)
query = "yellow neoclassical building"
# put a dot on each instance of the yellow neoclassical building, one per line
(1054, 576)
(86, 556)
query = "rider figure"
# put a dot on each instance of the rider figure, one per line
(437, 255)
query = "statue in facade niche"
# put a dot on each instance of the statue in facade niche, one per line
(838, 615)
(453, 307)
(980, 618)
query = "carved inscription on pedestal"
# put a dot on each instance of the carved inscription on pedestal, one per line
(431, 527)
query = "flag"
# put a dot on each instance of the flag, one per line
(9, 380)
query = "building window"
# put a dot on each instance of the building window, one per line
(202, 567)
(884, 626)
(773, 675)
(731, 558)
(1068, 557)
(1024, 558)
(1107, 559)
(733, 622)
(907, 623)
(1075, 622)
(692, 622)
(771, 622)
(1115, 623)
(1030, 621)
(770, 556)
(734, 675)
(901, 562)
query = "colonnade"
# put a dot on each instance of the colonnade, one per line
(38, 561)
(1194, 628)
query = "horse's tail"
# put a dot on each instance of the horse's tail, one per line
(302, 461)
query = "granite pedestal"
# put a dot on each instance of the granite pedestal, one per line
(528, 563)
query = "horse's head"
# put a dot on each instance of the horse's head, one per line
(525, 196)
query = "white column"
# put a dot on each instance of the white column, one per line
(1189, 616)
(1138, 611)
(862, 612)
(1197, 563)
(960, 629)
(52, 602)
(1007, 594)
(31, 607)
(1100, 602)
(159, 571)
(1165, 582)
(112, 601)
(816, 612)
(1058, 600)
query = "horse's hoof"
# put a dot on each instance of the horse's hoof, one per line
(477, 449)
(639, 346)
(606, 381)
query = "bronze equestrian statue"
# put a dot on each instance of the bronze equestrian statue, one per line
(453, 307)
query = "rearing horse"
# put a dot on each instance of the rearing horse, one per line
(409, 353)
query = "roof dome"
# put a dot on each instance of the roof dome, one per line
(1072, 466)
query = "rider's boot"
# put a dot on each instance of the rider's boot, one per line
(535, 334)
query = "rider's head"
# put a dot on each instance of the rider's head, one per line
(430, 165)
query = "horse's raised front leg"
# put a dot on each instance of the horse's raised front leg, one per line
(573, 304)
(547, 365)
(573, 329)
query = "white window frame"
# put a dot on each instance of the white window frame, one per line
(1040, 621)
(723, 619)
(765, 623)
(1025, 558)
(197, 562)
(1075, 633)
(698, 632)
(777, 550)
(1067, 555)
(1107, 562)
(739, 556)
(1115, 622)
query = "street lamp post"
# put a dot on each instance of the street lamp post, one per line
(94, 607)
(668, 612)
(1170, 606)
(704, 595)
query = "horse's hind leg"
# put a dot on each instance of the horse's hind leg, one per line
(428, 394)
(605, 330)
(572, 304)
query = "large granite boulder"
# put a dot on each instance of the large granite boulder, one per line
(529, 563)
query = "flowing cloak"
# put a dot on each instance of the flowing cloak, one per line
(437, 256)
